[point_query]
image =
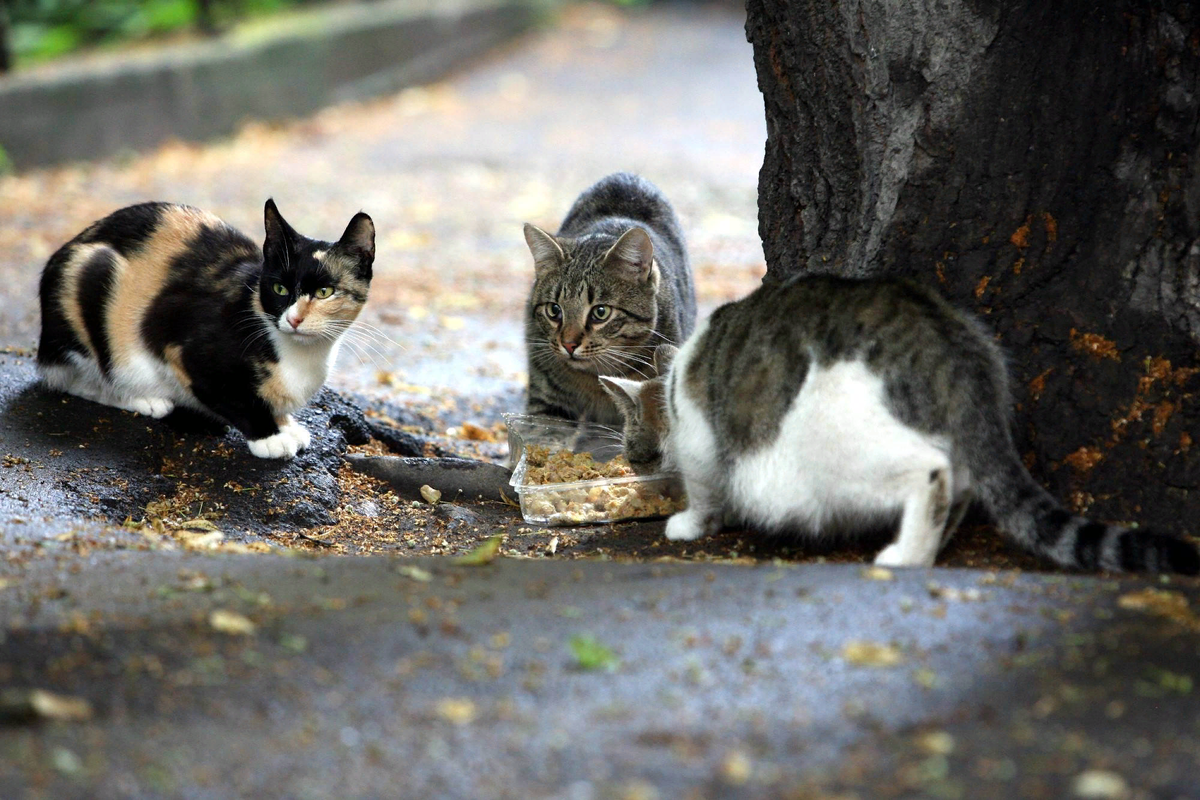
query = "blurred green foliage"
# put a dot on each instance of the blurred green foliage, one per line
(45, 29)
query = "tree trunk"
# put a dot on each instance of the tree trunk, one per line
(1039, 162)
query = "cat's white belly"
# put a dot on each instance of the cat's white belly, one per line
(840, 457)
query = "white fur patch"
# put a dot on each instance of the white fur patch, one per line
(840, 460)
(291, 439)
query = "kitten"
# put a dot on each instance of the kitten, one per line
(827, 403)
(161, 305)
(608, 288)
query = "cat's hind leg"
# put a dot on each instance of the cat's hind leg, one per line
(702, 517)
(923, 521)
(81, 377)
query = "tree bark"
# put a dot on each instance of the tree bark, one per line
(1037, 162)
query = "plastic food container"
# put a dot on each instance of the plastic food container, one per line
(583, 502)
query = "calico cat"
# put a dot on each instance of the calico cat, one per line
(829, 404)
(160, 305)
(608, 288)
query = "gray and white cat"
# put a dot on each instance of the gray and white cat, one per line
(834, 405)
(608, 288)
(161, 305)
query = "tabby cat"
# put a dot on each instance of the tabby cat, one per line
(828, 404)
(608, 288)
(160, 305)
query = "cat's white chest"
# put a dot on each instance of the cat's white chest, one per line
(299, 373)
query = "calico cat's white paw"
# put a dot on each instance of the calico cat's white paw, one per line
(291, 439)
(686, 526)
(157, 407)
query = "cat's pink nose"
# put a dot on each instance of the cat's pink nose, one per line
(294, 321)
(570, 347)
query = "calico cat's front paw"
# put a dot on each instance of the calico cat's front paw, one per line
(291, 439)
(157, 407)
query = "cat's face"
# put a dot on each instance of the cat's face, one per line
(647, 419)
(312, 290)
(593, 306)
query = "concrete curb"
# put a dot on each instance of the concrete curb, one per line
(205, 90)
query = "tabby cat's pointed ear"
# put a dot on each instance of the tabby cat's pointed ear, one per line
(547, 252)
(624, 392)
(664, 355)
(633, 253)
(279, 233)
(359, 237)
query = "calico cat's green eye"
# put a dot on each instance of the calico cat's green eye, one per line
(554, 311)
(279, 288)
(323, 293)
(601, 313)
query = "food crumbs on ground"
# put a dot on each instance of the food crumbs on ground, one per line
(600, 503)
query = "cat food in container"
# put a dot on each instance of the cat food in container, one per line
(573, 473)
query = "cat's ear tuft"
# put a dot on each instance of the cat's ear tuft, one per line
(664, 356)
(624, 392)
(547, 252)
(359, 238)
(632, 253)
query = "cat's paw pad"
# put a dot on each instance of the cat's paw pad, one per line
(290, 440)
(894, 556)
(684, 527)
(157, 407)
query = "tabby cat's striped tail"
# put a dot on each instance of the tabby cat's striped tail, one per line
(1027, 513)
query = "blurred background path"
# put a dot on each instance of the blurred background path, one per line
(449, 172)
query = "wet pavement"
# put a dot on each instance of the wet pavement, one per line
(215, 625)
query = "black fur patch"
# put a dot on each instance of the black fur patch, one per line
(1051, 529)
(126, 230)
(97, 277)
(1088, 541)
(58, 339)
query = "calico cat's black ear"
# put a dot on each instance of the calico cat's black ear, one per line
(633, 253)
(547, 252)
(664, 355)
(280, 235)
(359, 238)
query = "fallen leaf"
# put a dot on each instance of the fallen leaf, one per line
(416, 573)
(590, 654)
(1099, 784)
(431, 495)
(878, 574)
(456, 710)
(475, 433)
(736, 768)
(483, 554)
(198, 524)
(872, 654)
(29, 705)
(231, 622)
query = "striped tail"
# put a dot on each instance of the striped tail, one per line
(1026, 512)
